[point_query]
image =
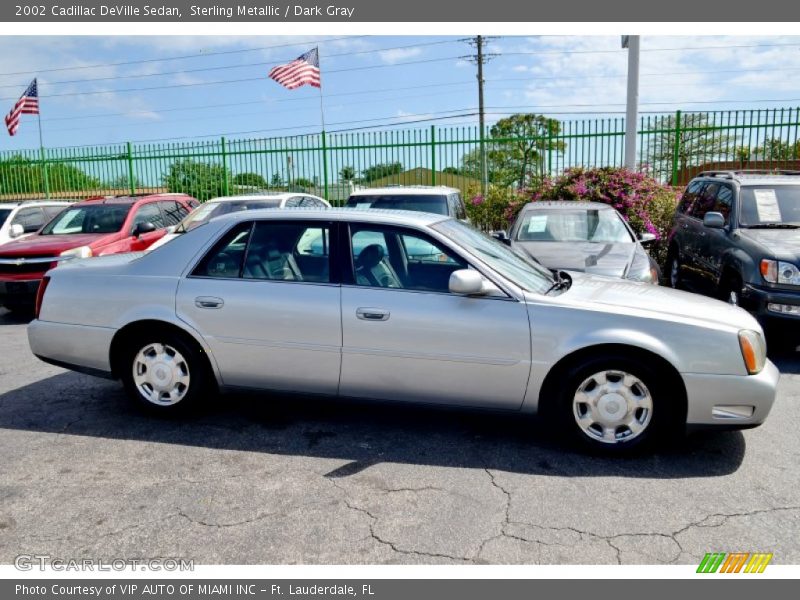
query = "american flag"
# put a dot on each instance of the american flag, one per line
(301, 71)
(28, 104)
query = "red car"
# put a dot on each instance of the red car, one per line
(94, 227)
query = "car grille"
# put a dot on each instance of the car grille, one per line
(20, 265)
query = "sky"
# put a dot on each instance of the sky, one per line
(113, 89)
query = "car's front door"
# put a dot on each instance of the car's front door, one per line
(264, 300)
(713, 243)
(146, 213)
(406, 337)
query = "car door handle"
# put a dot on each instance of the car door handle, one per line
(372, 314)
(208, 302)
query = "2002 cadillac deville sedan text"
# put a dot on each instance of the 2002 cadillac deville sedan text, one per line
(403, 306)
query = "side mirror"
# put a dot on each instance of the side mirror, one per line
(714, 220)
(466, 282)
(142, 228)
(16, 230)
(501, 236)
(646, 238)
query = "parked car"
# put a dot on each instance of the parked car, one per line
(736, 236)
(582, 236)
(91, 228)
(227, 204)
(278, 300)
(20, 219)
(439, 200)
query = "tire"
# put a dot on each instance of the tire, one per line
(616, 405)
(165, 374)
(674, 269)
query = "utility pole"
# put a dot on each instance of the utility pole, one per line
(631, 42)
(480, 58)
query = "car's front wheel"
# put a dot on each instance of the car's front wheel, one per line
(164, 373)
(616, 404)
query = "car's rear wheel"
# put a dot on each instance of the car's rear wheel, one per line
(616, 404)
(164, 373)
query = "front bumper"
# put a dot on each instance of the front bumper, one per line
(19, 294)
(756, 300)
(730, 401)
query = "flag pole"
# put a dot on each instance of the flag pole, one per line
(41, 144)
(324, 136)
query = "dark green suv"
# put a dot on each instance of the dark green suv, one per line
(736, 235)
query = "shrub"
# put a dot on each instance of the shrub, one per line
(198, 179)
(489, 212)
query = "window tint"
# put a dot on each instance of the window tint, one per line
(148, 213)
(705, 200)
(422, 203)
(32, 219)
(689, 196)
(173, 212)
(4, 212)
(724, 202)
(51, 211)
(293, 202)
(89, 218)
(225, 259)
(456, 206)
(401, 259)
(288, 251)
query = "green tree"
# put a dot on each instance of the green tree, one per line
(276, 181)
(777, 149)
(451, 170)
(347, 174)
(251, 180)
(122, 182)
(302, 184)
(20, 175)
(699, 143)
(198, 179)
(516, 150)
(381, 170)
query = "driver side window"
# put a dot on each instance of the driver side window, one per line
(401, 259)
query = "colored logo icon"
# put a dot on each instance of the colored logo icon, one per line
(735, 562)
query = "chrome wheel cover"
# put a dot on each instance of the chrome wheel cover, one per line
(161, 374)
(612, 407)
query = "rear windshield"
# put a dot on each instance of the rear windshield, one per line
(4, 212)
(770, 204)
(422, 203)
(90, 218)
(210, 210)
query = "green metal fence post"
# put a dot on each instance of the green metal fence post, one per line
(325, 163)
(131, 176)
(433, 155)
(225, 182)
(45, 173)
(676, 149)
(550, 127)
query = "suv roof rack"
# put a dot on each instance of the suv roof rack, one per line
(731, 174)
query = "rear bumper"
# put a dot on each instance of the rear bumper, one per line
(77, 347)
(19, 294)
(730, 401)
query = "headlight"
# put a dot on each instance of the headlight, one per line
(648, 275)
(79, 252)
(778, 271)
(754, 351)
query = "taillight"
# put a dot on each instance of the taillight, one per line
(40, 295)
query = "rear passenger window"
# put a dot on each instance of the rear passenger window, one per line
(173, 212)
(293, 251)
(226, 258)
(689, 196)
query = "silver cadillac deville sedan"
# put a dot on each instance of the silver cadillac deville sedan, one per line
(403, 306)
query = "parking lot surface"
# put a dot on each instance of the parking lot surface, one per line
(266, 480)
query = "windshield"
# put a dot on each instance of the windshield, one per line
(209, 210)
(90, 218)
(579, 225)
(422, 203)
(762, 205)
(4, 212)
(525, 272)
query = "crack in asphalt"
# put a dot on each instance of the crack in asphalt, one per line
(223, 525)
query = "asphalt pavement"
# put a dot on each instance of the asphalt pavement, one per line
(276, 480)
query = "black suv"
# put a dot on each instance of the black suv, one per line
(736, 235)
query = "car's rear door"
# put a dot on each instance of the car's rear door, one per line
(406, 337)
(271, 321)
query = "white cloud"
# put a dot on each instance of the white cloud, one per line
(398, 54)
